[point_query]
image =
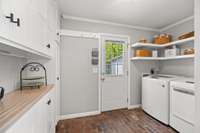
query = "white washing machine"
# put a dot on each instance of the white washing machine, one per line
(155, 96)
(182, 105)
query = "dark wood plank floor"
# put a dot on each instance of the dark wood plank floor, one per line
(119, 121)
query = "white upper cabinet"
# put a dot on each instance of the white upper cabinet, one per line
(5, 24)
(51, 15)
(14, 20)
(37, 25)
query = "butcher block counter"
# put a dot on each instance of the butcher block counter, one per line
(17, 103)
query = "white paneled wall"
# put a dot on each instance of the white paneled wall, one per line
(9, 72)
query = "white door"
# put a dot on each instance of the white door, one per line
(114, 64)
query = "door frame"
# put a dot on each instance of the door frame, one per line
(100, 67)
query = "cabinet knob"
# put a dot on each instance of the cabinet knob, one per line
(48, 46)
(163, 86)
(17, 22)
(11, 17)
(49, 102)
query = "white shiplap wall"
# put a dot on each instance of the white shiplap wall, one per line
(9, 72)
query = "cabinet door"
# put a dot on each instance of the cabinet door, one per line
(37, 31)
(52, 19)
(11, 30)
(51, 40)
(4, 23)
(24, 124)
(52, 111)
(39, 125)
(6, 8)
(51, 14)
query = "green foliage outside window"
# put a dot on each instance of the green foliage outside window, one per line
(113, 50)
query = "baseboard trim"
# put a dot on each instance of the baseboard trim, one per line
(78, 115)
(134, 106)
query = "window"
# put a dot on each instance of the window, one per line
(113, 58)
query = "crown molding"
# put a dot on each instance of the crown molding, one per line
(177, 23)
(108, 23)
(64, 16)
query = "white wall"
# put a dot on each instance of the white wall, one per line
(134, 36)
(79, 84)
(10, 72)
(179, 67)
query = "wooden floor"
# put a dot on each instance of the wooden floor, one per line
(119, 121)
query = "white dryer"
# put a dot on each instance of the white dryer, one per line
(182, 105)
(155, 96)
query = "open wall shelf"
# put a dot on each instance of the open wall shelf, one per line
(151, 45)
(163, 46)
(163, 58)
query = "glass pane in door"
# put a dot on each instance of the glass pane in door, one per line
(113, 58)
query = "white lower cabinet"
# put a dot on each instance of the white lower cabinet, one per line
(41, 118)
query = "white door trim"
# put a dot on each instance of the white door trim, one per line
(100, 71)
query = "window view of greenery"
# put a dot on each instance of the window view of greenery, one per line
(114, 55)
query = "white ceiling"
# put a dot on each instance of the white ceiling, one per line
(146, 13)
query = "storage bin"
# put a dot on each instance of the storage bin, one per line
(186, 35)
(162, 39)
(143, 53)
(188, 51)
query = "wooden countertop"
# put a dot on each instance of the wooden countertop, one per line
(16, 103)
